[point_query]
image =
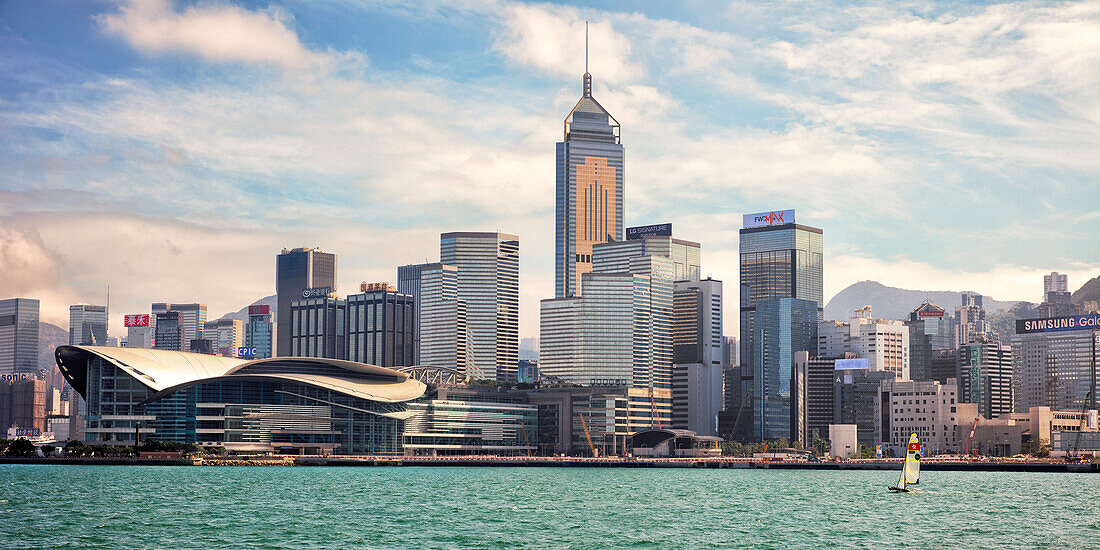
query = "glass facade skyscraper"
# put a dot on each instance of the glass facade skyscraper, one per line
(783, 326)
(589, 190)
(258, 331)
(441, 334)
(88, 325)
(19, 336)
(488, 282)
(777, 261)
(380, 328)
(295, 271)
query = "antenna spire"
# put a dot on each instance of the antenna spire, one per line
(587, 77)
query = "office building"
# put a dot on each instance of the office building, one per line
(472, 421)
(380, 323)
(857, 400)
(259, 331)
(191, 320)
(527, 372)
(618, 331)
(299, 273)
(1055, 282)
(928, 409)
(1054, 362)
(985, 376)
(970, 323)
(488, 281)
(441, 333)
(88, 325)
(169, 333)
(814, 395)
(930, 329)
(589, 190)
(19, 337)
(139, 331)
(697, 395)
(291, 405)
(684, 256)
(778, 259)
(885, 344)
(226, 336)
(944, 365)
(317, 326)
(23, 404)
(783, 326)
(205, 346)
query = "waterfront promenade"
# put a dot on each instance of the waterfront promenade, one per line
(933, 464)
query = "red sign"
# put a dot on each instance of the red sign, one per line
(914, 446)
(371, 287)
(930, 313)
(259, 310)
(136, 320)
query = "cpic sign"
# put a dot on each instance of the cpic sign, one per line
(246, 352)
(1056, 324)
(778, 217)
(642, 231)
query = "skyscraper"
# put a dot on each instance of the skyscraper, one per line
(1055, 282)
(19, 336)
(88, 325)
(779, 259)
(169, 334)
(317, 327)
(783, 327)
(442, 337)
(225, 335)
(985, 376)
(970, 319)
(697, 355)
(589, 190)
(191, 319)
(259, 330)
(488, 281)
(380, 324)
(296, 271)
(930, 329)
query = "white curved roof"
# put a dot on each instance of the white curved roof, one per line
(159, 369)
(166, 372)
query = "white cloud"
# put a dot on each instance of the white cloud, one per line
(216, 33)
(551, 39)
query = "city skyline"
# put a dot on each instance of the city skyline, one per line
(902, 134)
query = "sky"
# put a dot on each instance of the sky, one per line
(171, 149)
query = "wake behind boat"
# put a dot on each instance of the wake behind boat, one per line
(910, 470)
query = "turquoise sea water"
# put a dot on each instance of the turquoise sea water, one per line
(46, 506)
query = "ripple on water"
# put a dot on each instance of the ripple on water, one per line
(151, 507)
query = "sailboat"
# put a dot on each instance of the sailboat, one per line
(910, 471)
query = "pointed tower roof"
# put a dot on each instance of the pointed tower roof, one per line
(589, 120)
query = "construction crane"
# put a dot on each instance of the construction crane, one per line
(653, 410)
(1081, 429)
(587, 436)
(740, 409)
(970, 440)
(527, 439)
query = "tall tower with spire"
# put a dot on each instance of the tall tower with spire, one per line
(589, 197)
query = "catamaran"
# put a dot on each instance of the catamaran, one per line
(910, 471)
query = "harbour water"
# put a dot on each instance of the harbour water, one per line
(52, 506)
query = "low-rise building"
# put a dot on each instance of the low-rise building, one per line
(927, 408)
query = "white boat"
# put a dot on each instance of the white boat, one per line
(910, 470)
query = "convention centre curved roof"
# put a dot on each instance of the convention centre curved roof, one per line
(169, 371)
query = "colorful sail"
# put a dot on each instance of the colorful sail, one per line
(910, 469)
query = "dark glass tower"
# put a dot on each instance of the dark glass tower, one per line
(297, 270)
(589, 196)
(777, 261)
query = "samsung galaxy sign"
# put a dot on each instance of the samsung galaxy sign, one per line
(1055, 324)
(777, 217)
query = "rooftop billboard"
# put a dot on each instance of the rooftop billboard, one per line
(777, 217)
(1056, 324)
(852, 364)
(642, 231)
